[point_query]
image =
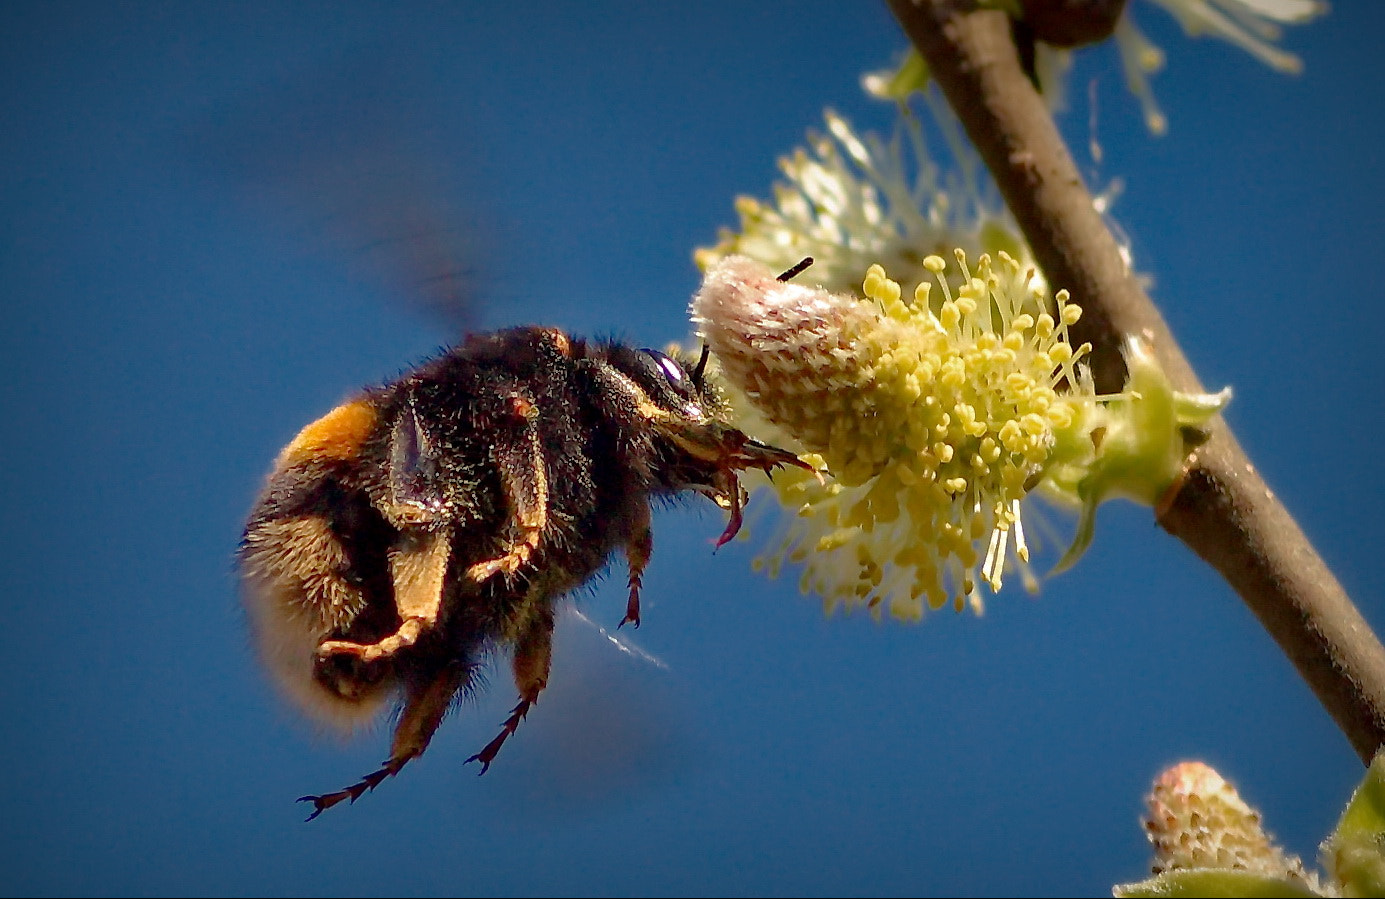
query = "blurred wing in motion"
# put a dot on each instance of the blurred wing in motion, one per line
(344, 156)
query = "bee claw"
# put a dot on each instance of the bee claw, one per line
(492, 749)
(324, 802)
(315, 800)
(736, 502)
(372, 780)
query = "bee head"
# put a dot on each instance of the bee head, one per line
(683, 407)
(670, 386)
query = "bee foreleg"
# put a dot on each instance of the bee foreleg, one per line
(736, 496)
(423, 712)
(417, 567)
(637, 552)
(532, 660)
(518, 453)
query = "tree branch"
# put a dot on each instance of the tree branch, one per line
(1223, 510)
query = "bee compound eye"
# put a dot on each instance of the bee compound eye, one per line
(671, 370)
(667, 383)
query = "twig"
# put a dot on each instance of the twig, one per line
(1223, 511)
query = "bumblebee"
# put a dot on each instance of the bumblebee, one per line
(416, 529)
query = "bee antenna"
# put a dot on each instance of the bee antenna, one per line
(701, 364)
(798, 269)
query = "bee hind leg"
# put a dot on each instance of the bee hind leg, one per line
(532, 660)
(418, 568)
(423, 712)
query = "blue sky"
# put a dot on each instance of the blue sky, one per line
(170, 325)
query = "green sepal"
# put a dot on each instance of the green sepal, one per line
(1082, 537)
(1142, 440)
(909, 78)
(1353, 853)
(1214, 882)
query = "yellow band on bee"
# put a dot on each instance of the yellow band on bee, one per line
(338, 435)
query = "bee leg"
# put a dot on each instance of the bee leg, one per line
(417, 567)
(519, 456)
(736, 497)
(533, 657)
(423, 712)
(637, 552)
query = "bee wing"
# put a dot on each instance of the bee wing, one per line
(415, 480)
(341, 155)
